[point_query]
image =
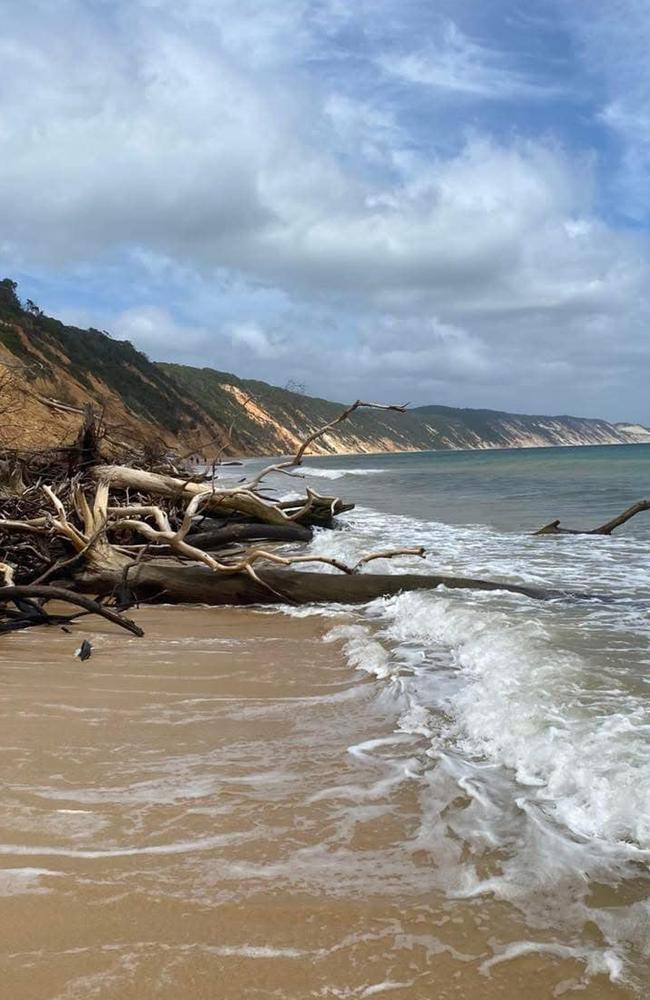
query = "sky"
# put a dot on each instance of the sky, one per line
(433, 201)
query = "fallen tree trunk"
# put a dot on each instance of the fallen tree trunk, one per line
(171, 582)
(553, 528)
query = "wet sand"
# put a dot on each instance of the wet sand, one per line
(224, 810)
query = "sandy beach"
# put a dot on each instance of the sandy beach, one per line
(225, 810)
(324, 500)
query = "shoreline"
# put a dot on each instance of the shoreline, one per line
(438, 451)
(226, 807)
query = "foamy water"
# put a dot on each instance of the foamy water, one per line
(536, 713)
(318, 472)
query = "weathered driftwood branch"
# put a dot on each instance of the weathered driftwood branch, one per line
(316, 509)
(14, 593)
(56, 404)
(300, 453)
(228, 580)
(553, 528)
(130, 518)
(239, 499)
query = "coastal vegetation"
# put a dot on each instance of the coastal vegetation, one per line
(57, 370)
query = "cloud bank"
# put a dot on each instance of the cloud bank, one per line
(372, 199)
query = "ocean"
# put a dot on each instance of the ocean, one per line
(534, 716)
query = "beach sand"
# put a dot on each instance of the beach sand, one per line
(224, 809)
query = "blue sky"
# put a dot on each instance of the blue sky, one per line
(418, 200)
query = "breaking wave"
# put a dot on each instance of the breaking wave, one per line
(535, 718)
(320, 473)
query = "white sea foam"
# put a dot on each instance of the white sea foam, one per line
(533, 707)
(595, 960)
(536, 711)
(540, 688)
(181, 847)
(257, 951)
(384, 987)
(362, 651)
(21, 881)
(318, 472)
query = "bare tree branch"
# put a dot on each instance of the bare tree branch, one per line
(299, 455)
(11, 593)
(604, 529)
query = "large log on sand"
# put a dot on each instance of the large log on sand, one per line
(198, 584)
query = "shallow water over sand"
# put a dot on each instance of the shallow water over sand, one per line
(536, 712)
(225, 809)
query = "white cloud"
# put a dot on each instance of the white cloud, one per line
(460, 65)
(361, 127)
(613, 42)
(222, 157)
(253, 338)
(155, 331)
(182, 154)
(410, 348)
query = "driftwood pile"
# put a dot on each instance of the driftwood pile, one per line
(103, 537)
